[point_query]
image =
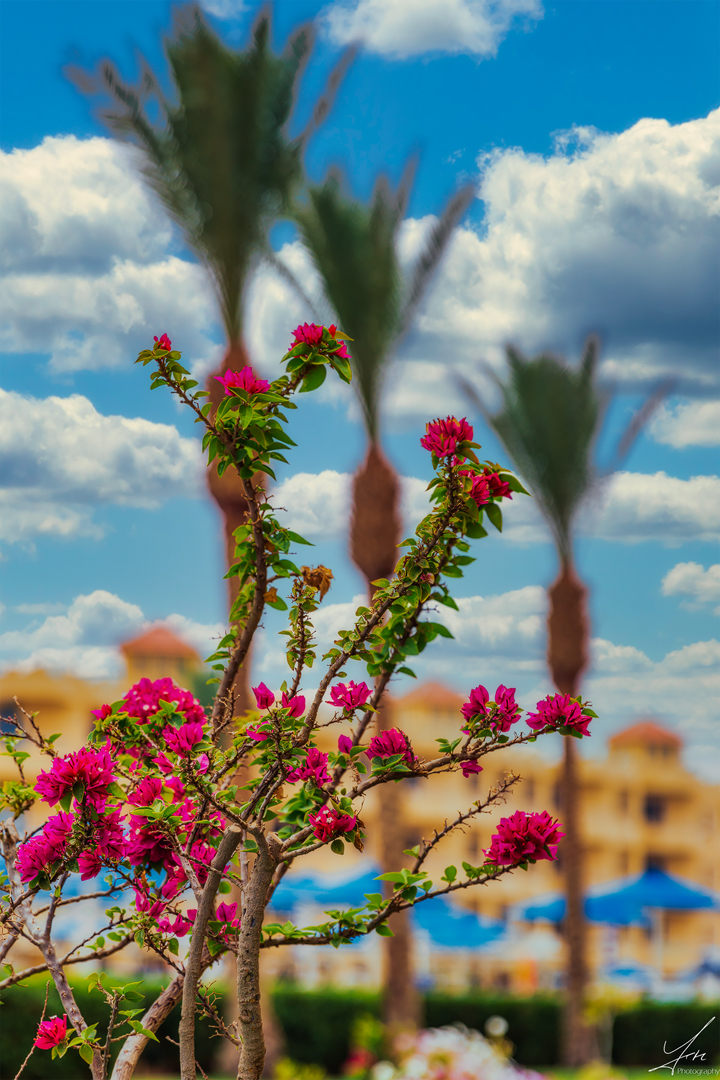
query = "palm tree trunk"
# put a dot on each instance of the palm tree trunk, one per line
(568, 631)
(374, 536)
(227, 493)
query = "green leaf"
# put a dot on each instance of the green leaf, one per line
(86, 1053)
(314, 378)
(297, 539)
(338, 847)
(384, 930)
(475, 530)
(66, 801)
(450, 874)
(173, 946)
(494, 512)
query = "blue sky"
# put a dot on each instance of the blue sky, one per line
(591, 131)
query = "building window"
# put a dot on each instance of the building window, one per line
(654, 808)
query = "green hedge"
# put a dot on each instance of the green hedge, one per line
(21, 1011)
(317, 1026)
(639, 1034)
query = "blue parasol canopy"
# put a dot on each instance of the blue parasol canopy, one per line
(448, 926)
(625, 902)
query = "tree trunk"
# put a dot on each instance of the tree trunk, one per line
(374, 536)
(568, 632)
(401, 1001)
(250, 1027)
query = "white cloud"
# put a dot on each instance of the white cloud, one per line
(692, 423)
(398, 29)
(629, 508)
(318, 504)
(60, 458)
(84, 639)
(692, 580)
(88, 272)
(508, 625)
(224, 9)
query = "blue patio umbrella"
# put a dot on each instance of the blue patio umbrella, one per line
(447, 925)
(626, 902)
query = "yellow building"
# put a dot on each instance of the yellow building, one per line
(640, 808)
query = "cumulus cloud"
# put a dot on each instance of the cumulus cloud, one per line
(690, 423)
(225, 9)
(88, 265)
(690, 579)
(508, 625)
(397, 29)
(318, 504)
(60, 458)
(629, 508)
(615, 233)
(84, 639)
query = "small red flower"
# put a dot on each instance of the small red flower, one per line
(51, 1033)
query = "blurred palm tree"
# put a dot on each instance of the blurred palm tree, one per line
(355, 248)
(549, 422)
(220, 158)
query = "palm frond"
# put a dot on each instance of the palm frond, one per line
(353, 247)
(434, 248)
(548, 424)
(219, 155)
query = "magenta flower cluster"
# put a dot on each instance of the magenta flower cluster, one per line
(499, 715)
(312, 334)
(389, 743)
(314, 768)
(328, 823)
(558, 712)
(524, 838)
(443, 437)
(92, 768)
(246, 380)
(143, 700)
(51, 1033)
(350, 696)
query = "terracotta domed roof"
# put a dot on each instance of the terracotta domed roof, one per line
(434, 695)
(646, 733)
(159, 641)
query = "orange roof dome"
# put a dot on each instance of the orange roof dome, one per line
(159, 641)
(434, 695)
(646, 733)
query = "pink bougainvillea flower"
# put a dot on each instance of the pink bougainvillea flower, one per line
(147, 905)
(314, 768)
(179, 926)
(147, 791)
(479, 487)
(443, 437)
(558, 712)
(524, 838)
(507, 709)
(109, 837)
(389, 743)
(202, 764)
(342, 352)
(51, 1033)
(176, 786)
(329, 822)
(500, 489)
(309, 333)
(477, 704)
(350, 695)
(345, 744)
(245, 380)
(202, 854)
(163, 342)
(38, 855)
(259, 733)
(102, 712)
(264, 697)
(143, 700)
(164, 764)
(294, 705)
(183, 739)
(90, 864)
(228, 914)
(93, 769)
(470, 768)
